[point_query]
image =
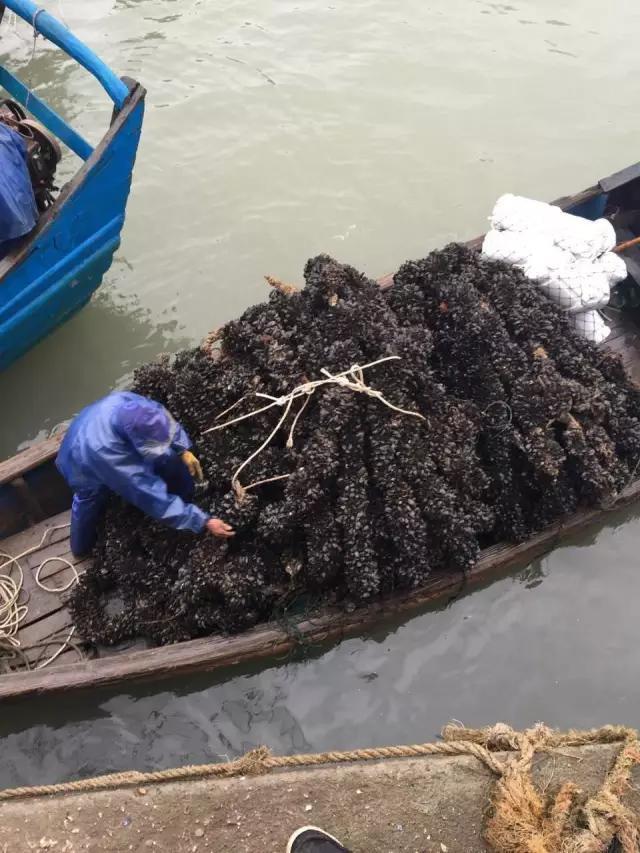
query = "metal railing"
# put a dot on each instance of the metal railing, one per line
(50, 28)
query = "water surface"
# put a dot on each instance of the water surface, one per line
(557, 642)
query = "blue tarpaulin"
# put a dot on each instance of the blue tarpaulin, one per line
(18, 210)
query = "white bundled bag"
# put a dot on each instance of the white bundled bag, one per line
(582, 237)
(590, 325)
(579, 287)
(613, 266)
(575, 285)
(518, 248)
(517, 213)
(567, 256)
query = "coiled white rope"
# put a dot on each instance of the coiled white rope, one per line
(351, 379)
(12, 613)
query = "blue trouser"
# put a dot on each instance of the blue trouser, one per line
(88, 505)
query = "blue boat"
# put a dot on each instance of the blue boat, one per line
(50, 273)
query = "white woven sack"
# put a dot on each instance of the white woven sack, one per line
(591, 326)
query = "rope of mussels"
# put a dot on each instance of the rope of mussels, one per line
(13, 613)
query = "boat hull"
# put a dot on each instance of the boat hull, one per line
(56, 269)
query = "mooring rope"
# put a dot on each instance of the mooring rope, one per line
(12, 613)
(520, 820)
(255, 762)
(351, 379)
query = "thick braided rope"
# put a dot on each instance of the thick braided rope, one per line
(12, 613)
(385, 752)
(255, 762)
(503, 737)
(521, 821)
(604, 813)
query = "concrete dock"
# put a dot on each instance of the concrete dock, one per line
(393, 806)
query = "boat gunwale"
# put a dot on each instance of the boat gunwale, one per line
(47, 25)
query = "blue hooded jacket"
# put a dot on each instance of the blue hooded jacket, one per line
(116, 442)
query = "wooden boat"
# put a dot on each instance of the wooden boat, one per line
(53, 271)
(33, 498)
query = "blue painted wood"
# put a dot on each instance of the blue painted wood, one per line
(57, 33)
(63, 263)
(49, 118)
(592, 209)
(52, 273)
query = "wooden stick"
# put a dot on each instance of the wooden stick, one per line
(628, 245)
(286, 289)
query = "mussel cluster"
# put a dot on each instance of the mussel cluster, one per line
(501, 421)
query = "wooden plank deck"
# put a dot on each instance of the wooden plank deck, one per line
(47, 619)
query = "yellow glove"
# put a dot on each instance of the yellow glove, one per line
(195, 468)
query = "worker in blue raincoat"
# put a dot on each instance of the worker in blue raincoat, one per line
(130, 445)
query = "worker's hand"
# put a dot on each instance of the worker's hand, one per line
(219, 528)
(192, 463)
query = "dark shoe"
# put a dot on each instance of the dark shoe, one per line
(310, 839)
